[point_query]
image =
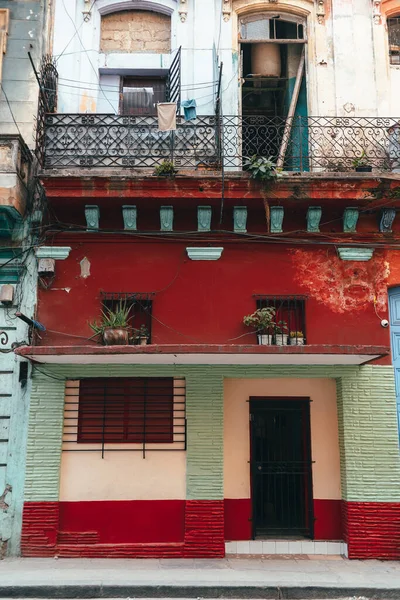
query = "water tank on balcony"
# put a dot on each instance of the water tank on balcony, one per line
(266, 60)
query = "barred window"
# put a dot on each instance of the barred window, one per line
(394, 40)
(126, 410)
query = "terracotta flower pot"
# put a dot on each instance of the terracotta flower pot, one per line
(116, 337)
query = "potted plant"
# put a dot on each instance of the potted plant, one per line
(262, 168)
(114, 325)
(263, 321)
(360, 163)
(296, 338)
(281, 335)
(165, 169)
(142, 336)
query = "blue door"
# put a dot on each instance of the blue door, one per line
(394, 316)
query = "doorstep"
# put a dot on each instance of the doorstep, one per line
(282, 547)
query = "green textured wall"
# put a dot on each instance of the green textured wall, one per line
(366, 408)
(368, 432)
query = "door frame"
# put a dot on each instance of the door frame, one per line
(306, 401)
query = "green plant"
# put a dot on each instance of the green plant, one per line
(335, 166)
(142, 332)
(262, 168)
(115, 319)
(296, 334)
(281, 327)
(263, 320)
(361, 161)
(167, 167)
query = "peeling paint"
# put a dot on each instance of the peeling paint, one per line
(85, 268)
(342, 286)
(3, 503)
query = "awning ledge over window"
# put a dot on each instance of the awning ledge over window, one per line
(210, 354)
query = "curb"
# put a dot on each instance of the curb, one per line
(168, 591)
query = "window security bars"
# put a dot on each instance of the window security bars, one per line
(125, 415)
(314, 144)
(140, 308)
(393, 25)
(290, 318)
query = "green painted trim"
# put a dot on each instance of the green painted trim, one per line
(366, 408)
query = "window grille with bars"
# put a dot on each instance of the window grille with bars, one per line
(140, 309)
(393, 25)
(125, 414)
(290, 312)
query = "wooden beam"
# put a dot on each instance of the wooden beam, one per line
(292, 110)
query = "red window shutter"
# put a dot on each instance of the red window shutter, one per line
(126, 410)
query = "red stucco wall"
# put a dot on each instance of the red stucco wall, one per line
(205, 301)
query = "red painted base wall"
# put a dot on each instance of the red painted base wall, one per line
(121, 522)
(327, 515)
(136, 529)
(372, 529)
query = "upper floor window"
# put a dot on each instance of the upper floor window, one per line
(289, 316)
(139, 306)
(136, 31)
(394, 40)
(140, 95)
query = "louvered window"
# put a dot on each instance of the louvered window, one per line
(126, 410)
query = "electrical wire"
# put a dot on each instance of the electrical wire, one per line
(80, 27)
(233, 237)
(87, 54)
(10, 109)
(116, 87)
(48, 374)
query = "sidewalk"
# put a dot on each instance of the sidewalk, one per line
(279, 577)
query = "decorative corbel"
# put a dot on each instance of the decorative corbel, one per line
(321, 11)
(183, 10)
(376, 12)
(227, 9)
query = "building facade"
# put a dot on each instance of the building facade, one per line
(204, 432)
(22, 31)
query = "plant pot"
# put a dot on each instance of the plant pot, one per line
(264, 339)
(281, 339)
(116, 336)
(363, 169)
(143, 341)
(297, 341)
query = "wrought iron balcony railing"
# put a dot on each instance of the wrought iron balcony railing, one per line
(300, 144)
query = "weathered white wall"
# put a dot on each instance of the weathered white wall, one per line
(347, 62)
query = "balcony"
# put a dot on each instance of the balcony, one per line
(298, 145)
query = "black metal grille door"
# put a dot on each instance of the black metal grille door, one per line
(281, 467)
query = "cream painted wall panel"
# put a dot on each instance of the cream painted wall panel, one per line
(123, 476)
(324, 432)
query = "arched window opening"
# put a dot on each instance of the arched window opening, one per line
(136, 31)
(393, 24)
(274, 90)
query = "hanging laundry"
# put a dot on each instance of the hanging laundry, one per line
(166, 112)
(189, 109)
